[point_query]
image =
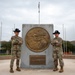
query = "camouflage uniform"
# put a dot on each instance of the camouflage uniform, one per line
(57, 51)
(16, 42)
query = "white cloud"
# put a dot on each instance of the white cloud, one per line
(52, 10)
(20, 12)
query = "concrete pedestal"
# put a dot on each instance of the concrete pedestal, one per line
(28, 55)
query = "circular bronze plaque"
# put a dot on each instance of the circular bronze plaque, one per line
(37, 39)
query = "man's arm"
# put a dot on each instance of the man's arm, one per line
(59, 42)
(20, 40)
(14, 41)
(53, 43)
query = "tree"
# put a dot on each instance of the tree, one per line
(9, 47)
(69, 46)
(6, 46)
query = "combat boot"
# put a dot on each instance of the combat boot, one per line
(61, 70)
(11, 70)
(55, 69)
(18, 69)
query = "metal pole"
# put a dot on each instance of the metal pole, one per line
(13, 29)
(39, 12)
(63, 38)
(0, 35)
(66, 41)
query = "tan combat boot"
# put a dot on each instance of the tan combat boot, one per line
(11, 70)
(55, 69)
(18, 69)
(61, 70)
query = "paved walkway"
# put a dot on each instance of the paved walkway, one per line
(69, 69)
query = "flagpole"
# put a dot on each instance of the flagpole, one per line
(0, 35)
(63, 37)
(39, 12)
(66, 42)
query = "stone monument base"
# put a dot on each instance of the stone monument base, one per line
(32, 54)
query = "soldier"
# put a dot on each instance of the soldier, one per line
(57, 51)
(16, 43)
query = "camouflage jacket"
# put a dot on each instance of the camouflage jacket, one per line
(57, 44)
(16, 42)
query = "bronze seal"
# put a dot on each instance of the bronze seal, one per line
(37, 39)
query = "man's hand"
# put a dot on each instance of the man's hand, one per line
(15, 42)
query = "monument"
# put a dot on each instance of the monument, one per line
(36, 49)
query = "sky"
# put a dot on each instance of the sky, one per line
(60, 13)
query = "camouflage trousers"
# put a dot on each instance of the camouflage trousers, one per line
(58, 56)
(15, 54)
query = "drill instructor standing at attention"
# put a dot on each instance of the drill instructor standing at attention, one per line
(16, 43)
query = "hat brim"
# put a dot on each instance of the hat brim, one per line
(16, 31)
(56, 33)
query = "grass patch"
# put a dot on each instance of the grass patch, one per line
(5, 54)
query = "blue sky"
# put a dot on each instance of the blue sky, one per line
(57, 12)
